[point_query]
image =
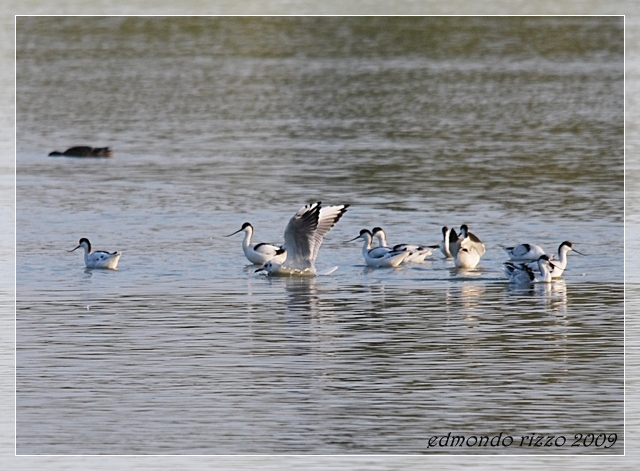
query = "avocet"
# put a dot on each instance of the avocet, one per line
(469, 240)
(261, 253)
(379, 257)
(522, 274)
(99, 258)
(417, 253)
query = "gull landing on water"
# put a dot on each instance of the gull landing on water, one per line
(259, 254)
(303, 238)
(98, 259)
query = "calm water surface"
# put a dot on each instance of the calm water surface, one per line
(511, 125)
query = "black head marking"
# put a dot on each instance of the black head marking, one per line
(85, 240)
(245, 225)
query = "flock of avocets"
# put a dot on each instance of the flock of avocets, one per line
(305, 231)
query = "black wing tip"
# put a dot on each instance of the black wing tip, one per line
(341, 212)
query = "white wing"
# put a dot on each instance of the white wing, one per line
(525, 252)
(305, 231)
(329, 216)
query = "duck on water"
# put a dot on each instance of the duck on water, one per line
(83, 151)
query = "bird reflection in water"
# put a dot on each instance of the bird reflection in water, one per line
(553, 296)
(302, 295)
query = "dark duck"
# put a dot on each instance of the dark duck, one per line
(83, 151)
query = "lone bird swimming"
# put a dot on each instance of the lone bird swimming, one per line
(83, 151)
(303, 238)
(261, 253)
(99, 258)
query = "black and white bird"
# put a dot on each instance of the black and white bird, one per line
(99, 258)
(261, 253)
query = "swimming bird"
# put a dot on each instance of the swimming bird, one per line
(449, 245)
(83, 151)
(417, 253)
(524, 252)
(467, 257)
(522, 274)
(379, 257)
(303, 238)
(470, 240)
(560, 264)
(261, 253)
(98, 259)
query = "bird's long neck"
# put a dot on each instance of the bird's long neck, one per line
(562, 255)
(366, 246)
(246, 242)
(545, 271)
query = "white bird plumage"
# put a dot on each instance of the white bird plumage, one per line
(99, 258)
(303, 237)
(379, 257)
(417, 253)
(467, 257)
(261, 253)
(449, 245)
(521, 273)
(559, 264)
(524, 252)
(471, 241)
